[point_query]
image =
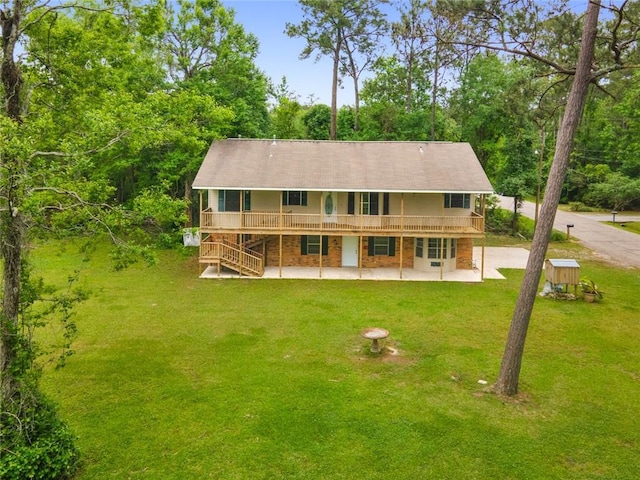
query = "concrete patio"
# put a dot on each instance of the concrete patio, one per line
(495, 258)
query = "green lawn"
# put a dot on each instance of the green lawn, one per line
(180, 378)
(633, 227)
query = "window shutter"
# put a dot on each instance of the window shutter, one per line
(392, 246)
(325, 245)
(385, 203)
(247, 200)
(303, 245)
(447, 200)
(351, 203)
(370, 247)
(285, 198)
(303, 199)
(467, 200)
(221, 200)
(373, 203)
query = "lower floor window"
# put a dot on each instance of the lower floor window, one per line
(382, 246)
(311, 244)
(437, 247)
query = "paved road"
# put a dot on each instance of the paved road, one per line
(608, 242)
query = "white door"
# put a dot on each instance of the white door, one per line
(330, 208)
(349, 251)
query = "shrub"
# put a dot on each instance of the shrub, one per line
(579, 207)
(41, 447)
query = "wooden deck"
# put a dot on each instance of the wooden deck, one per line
(288, 223)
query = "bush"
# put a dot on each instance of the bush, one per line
(579, 207)
(499, 221)
(40, 448)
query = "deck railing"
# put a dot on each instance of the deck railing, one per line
(275, 222)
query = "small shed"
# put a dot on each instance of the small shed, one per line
(562, 271)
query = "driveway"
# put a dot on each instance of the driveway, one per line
(607, 242)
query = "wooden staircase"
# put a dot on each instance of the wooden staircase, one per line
(225, 253)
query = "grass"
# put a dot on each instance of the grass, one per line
(180, 378)
(633, 227)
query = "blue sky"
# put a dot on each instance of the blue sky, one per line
(279, 54)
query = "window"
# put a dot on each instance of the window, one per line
(228, 200)
(457, 200)
(434, 247)
(382, 246)
(310, 245)
(294, 197)
(419, 247)
(369, 203)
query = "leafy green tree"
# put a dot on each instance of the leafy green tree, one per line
(207, 51)
(616, 192)
(346, 122)
(317, 121)
(287, 119)
(517, 175)
(481, 107)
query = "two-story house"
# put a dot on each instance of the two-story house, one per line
(292, 203)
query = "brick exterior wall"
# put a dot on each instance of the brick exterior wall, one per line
(292, 256)
(292, 253)
(464, 254)
(386, 261)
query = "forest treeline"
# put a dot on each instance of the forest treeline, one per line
(127, 97)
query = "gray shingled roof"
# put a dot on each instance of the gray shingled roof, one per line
(248, 164)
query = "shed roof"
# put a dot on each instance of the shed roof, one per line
(563, 262)
(250, 164)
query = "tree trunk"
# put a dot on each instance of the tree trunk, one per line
(9, 72)
(514, 218)
(10, 218)
(507, 382)
(434, 91)
(333, 129)
(187, 198)
(11, 250)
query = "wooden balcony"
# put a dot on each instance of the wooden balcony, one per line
(288, 223)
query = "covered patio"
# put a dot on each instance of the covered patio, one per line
(495, 258)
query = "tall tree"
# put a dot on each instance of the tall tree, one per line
(409, 36)
(25, 416)
(515, 28)
(342, 30)
(361, 45)
(508, 379)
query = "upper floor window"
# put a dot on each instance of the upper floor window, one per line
(457, 200)
(229, 200)
(294, 197)
(369, 203)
